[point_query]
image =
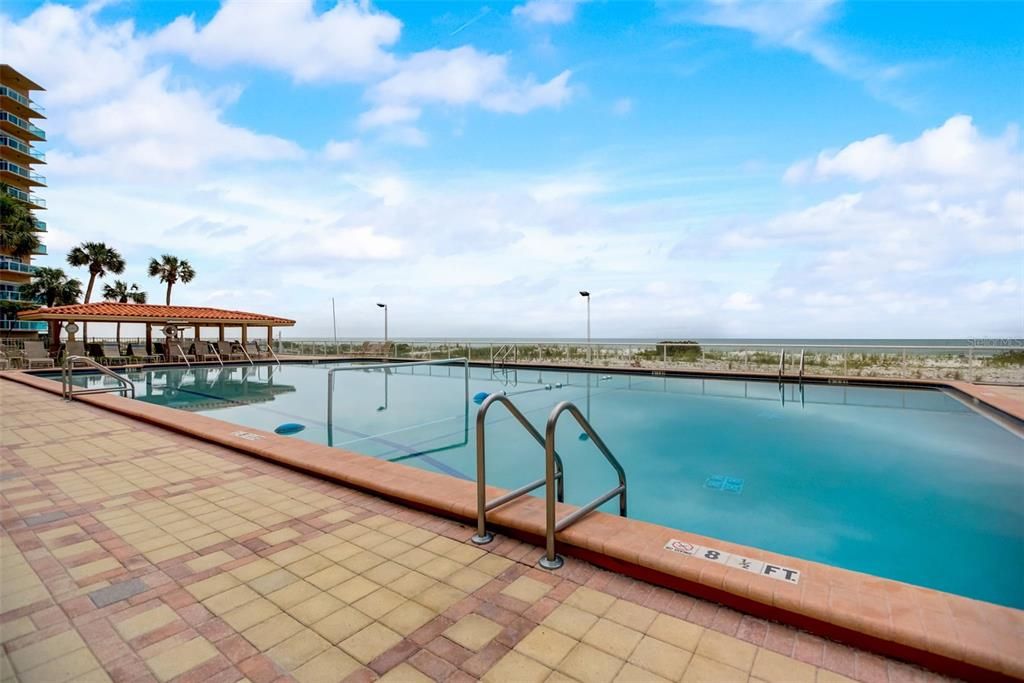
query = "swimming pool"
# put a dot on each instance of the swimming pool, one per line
(907, 484)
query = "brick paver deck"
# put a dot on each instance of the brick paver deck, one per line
(134, 554)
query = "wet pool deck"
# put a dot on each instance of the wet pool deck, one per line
(131, 553)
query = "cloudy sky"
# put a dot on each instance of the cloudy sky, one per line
(746, 169)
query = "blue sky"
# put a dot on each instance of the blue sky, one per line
(705, 169)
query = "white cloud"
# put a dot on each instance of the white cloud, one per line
(741, 301)
(116, 115)
(936, 221)
(547, 11)
(989, 289)
(798, 26)
(622, 106)
(956, 150)
(340, 150)
(151, 126)
(388, 115)
(345, 43)
(74, 57)
(465, 76)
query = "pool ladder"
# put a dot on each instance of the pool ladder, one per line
(553, 480)
(782, 365)
(68, 388)
(500, 357)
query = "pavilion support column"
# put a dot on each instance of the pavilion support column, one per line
(197, 333)
(270, 336)
(245, 335)
(220, 332)
(149, 339)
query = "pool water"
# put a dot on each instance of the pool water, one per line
(907, 484)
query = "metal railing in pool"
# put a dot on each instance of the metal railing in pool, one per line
(395, 365)
(552, 560)
(483, 506)
(68, 388)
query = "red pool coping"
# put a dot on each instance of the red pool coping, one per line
(947, 633)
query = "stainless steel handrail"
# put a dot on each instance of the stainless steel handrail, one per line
(482, 504)
(801, 373)
(393, 364)
(246, 354)
(216, 353)
(551, 560)
(782, 364)
(504, 351)
(270, 347)
(68, 389)
(183, 356)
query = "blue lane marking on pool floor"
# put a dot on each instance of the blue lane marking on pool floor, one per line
(721, 483)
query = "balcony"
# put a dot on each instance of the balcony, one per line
(33, 200)
(35, 156)
(26, 174)
(14, 266)
(33, 109)
(13, 293)
(40, 250)
(23, 325)
(40, 225)
(11, 120)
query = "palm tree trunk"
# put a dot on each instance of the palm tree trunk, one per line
(169, 285)
(54, 335)
(88, 295)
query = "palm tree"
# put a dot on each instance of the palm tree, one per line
(171, 269)
(98, 258)
(53, 288)
(17, 226)
(121, 292)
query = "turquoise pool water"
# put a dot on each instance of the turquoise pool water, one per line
(907, 484)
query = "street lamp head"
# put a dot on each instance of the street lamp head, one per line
(584, 293)
(382, 305)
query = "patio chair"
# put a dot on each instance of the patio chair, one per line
(228, 352)
(177, 353)
(205, 350)
(110, 354)
(34, 354)
(264, 350)
(253, 349)
(137, 351)
(5, 362)
(74, 348)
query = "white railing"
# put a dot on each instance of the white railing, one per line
(992, 363)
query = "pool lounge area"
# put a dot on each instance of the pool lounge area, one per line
(944, 632)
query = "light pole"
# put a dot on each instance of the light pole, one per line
(334, 317)
(385, 307)
(586, 295)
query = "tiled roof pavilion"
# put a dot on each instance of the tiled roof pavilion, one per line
(156, 315)
(153, 313)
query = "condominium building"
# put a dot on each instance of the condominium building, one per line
(18, 157)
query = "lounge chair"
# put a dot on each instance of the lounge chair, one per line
(74, 348)
(205, 350)
(227, 351)
(137, 351)
(5, 362)
(253, 349)
(110, 354)
(34, 354)
(177, 352)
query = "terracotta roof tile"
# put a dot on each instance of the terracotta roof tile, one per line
(143, 312)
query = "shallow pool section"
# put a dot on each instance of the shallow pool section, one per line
(907, 484)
